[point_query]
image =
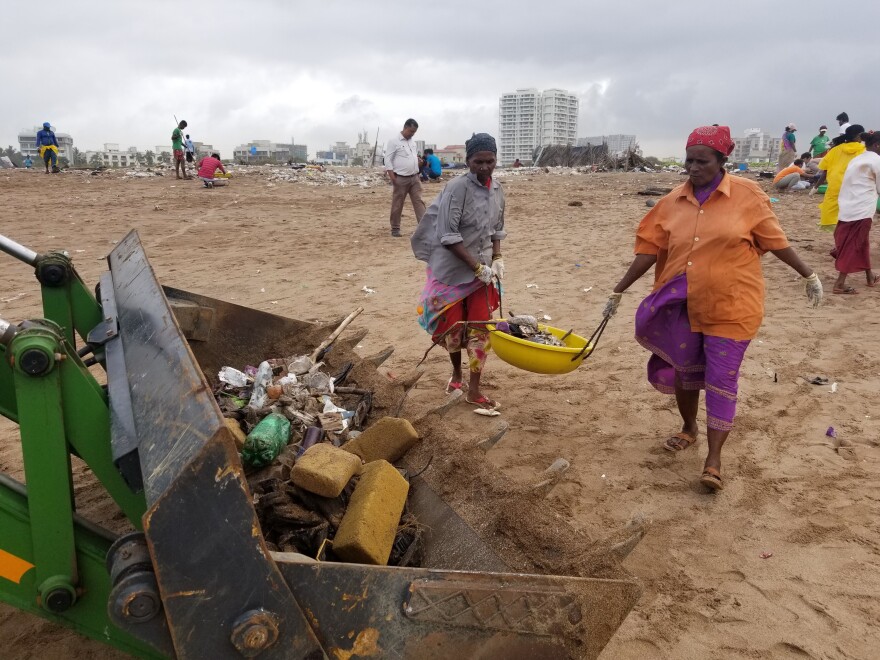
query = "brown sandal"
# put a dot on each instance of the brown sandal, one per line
(711, 479)
(679, 441)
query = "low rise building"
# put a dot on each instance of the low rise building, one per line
(451, 154)
(203, 149)
(27, 143)
(112, 156)
(339, 154)
(756, 146)
(266, 150)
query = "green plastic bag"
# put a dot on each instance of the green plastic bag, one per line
(266, 441)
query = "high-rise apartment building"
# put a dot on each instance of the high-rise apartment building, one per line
(528, 119)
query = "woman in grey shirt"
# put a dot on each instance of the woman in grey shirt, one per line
(460, 239)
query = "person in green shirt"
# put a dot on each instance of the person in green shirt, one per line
(819, 144)
(177, 147)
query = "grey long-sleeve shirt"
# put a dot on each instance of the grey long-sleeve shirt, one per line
(465, 212)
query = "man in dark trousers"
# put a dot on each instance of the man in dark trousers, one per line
(402, 167)
(48, 146)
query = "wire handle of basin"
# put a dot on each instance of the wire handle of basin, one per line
(593, 340)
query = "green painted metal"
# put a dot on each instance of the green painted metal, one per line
(86, 423)
(71, 304)
(46, 462)
(8, 407)
(89, 615)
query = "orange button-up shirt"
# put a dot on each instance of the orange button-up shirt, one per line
(719, 245)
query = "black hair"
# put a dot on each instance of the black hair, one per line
(806, 155)
(217, 156)
(871, 139)
(187, 136)
(798, 161)
(842, 117)
(854, 133)
(429, 151)
(840, 139)
(410, 123)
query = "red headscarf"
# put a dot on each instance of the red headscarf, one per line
(716, 137)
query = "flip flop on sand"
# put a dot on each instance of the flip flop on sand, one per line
(848, 291)
(452, 385)
(484, 402)
(679, 441)
(711, 479)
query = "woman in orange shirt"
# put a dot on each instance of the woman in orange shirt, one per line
(706, 238)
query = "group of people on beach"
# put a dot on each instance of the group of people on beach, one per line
(184, 151)
(846, 170)
(705, 240)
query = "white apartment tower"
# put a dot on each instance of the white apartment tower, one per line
(528, 119)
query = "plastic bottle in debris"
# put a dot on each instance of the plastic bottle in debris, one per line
(259, 397)
(266, 440)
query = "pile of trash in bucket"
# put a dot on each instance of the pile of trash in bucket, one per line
(527, 328)
(324, 485)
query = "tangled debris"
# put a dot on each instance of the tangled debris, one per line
(322, 480)
(527, 328)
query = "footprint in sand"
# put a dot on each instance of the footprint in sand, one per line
(845, 448)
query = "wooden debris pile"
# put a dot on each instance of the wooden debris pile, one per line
(595, 157)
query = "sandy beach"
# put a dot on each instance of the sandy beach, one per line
(784, 563)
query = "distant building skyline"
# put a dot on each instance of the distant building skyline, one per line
(279, 152)
(528, 119)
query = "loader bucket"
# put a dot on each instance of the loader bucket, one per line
(216, 576)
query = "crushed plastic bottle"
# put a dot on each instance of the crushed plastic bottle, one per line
(233, 377)
(266, 440)
(259, 397)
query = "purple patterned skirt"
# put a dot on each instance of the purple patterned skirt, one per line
(686, 359)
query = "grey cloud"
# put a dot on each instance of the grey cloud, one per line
(322, 71)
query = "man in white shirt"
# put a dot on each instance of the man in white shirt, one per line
(402, 167)
(858, 204)
(843, 120)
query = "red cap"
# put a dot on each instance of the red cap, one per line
(716, 137)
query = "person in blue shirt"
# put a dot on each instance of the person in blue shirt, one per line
(48, 146)
(433, 169)
(28, 163)
(190, 150)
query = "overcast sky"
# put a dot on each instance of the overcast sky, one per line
(321, 71)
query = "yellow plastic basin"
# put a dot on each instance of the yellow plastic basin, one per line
(538, 358)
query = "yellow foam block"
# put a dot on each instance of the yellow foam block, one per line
(324, 469)
(388, 439)
(237, 434)
(366, 533)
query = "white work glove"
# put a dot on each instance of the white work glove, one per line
(611, 306)
(813, 287)
(483, 273)
(812, 190)
(498, 268)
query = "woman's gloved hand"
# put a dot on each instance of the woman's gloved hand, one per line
(483, 273)
(498, 268)
(813, 286)
(611, 306)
